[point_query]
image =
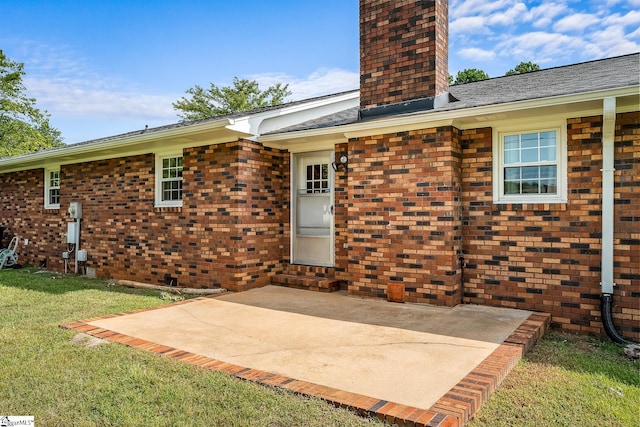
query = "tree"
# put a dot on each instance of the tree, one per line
(23, 127)
(523, 67)
(469, 75)
(218, 101)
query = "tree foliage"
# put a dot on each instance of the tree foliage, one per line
(469, 75)
(523, 67)
(218, 101)
(23, 127)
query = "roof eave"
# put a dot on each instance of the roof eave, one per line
(123, 146)
(434, 118)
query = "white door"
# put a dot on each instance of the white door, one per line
(312, 235)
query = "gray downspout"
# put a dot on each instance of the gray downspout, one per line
(607, 284)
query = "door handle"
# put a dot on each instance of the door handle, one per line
(331, 209)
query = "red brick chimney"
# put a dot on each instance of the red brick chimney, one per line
(403, 55)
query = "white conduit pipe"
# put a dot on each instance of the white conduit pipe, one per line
(606, 266)
(608, 133)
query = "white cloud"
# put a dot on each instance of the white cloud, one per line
(514, 14)
(469, 24)
(547, 32)
(541, 47)
(320, 82)
(78, 98)
(477, 54)
(631, 18)
(542, 16)
(463, 8)
(611, 41)
(68, 88)
(577, 22)
(633, 3)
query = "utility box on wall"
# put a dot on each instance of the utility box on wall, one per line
(75, 210)
(72, 232)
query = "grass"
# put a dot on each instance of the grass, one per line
(60, 383)
(564, 381)
(567, 380)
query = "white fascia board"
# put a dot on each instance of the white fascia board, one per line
(267, 121)
(125, 146)
(434, 118)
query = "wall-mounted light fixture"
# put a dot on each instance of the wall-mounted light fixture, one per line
(343, 162)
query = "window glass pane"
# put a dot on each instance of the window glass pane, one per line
(548, 186)
(317, 178)
(530, 186)
(530, 172)
(548, 139)
(512, 156)
(529, 155)
(548, 154)
(54, 179)
(529, 140)
(54, 196)
(165, 163)
(512, 187)
(512, 142)
(548, 171)
(511, 174)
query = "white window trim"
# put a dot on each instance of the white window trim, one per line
(159, 203)
(498, 171)
(47, 187)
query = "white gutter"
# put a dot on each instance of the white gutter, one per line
(608, 154)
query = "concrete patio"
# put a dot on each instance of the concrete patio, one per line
(407, 363)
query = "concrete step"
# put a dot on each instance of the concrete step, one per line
(318, 284)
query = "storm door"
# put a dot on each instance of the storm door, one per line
(312, 235)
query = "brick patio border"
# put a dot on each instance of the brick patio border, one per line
(454, 409)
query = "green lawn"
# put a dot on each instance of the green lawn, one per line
(564, 381)
(43, 374)
(567, 380)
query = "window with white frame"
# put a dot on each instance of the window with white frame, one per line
(169, 180)
(52, 188)
(530, 166)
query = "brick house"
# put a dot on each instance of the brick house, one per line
(501, 192)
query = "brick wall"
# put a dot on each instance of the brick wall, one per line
(22, 212)
(403, 50)
(229, 231)
(547, 256)
(404, 215)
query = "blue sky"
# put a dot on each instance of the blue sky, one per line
(105, 67)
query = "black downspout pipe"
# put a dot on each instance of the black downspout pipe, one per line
(606, 302)
(461, 259)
